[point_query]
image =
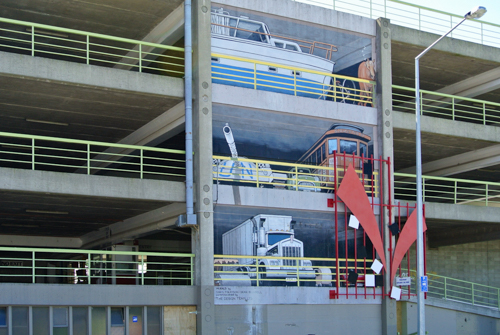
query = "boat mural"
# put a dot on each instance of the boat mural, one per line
(242, 37)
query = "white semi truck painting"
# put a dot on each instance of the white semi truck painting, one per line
(268, 235)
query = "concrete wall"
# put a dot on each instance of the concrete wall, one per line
(475, 262)
(447, 321)
(96, 295)
(299, 319)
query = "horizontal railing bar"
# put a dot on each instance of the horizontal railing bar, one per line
(445, 95)
(408, 175)
(94, 252)
(248, 60)
(103, 144)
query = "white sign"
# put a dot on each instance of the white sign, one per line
(396, 293)
(377, 266)
(370, 280)
(403, 281)
(353, 222)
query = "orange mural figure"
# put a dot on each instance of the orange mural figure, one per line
(366, 70)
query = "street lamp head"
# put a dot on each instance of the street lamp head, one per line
(476, 13)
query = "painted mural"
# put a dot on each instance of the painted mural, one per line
(264, 52)
(251, 141)
(269, 233)
(242, 132)
(288, 152)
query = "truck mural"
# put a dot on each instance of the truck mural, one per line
(267, 235)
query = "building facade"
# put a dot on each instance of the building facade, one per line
(303, 139)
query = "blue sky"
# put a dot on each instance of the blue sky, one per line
(461, 7)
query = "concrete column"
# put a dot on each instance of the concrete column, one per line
(203, 234)
(385, 132)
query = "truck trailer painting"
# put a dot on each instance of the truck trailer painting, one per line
(266, 236)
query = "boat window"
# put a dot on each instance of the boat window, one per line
(291, 47)
(221, 24)
(349, 147)
(273, 69)
(275, 238)
(215, 59)
(279, 44)
(251, 31)
(297, 73)
(332, 146)
(363, 150)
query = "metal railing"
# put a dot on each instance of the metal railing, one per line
(418, 17)
(89, 157)
(289, 176)
(90, 48)
(447, 190)
(446, 106)
(71, 266)
(457, 290)
(259, 75)
(238, 270)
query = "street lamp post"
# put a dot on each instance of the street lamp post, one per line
(473, 14)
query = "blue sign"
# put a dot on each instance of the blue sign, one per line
(134, 319)
(424, 284)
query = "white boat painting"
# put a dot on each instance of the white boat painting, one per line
(245, 38)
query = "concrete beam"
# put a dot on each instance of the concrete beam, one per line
(468, 161)
(159, 129)
(135, 227)
(39, 241)
(474, 86)
(154, 132)
(459, 213)
(96, 295)
(167, 32)
(88, 75)
(202, 236)
(443, 127)
(448, 44)
(284, 103)
(95, 186)
(274, 198)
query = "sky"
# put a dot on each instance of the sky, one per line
(460, 7)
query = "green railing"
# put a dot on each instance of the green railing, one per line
(452, 289)
(89, 157)
(71, 266)
(447, 190)
(240, 270)
(289, 176)
(90, 48)
(417, 17)
(446, 106)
